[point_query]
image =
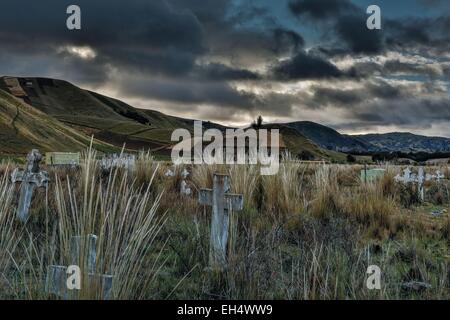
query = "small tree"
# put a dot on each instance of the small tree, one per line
(351, 158)
(259, 121)
(257, 124)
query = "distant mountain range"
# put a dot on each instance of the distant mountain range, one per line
(54, 115)
(405, 142)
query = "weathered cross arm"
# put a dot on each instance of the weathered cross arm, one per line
(236, 201)
(40, 179)
(222, 204)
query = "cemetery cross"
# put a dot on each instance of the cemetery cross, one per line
(31, 178)
(222, 203)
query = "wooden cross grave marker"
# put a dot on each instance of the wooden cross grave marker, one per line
(222, 203)
(82, 254)
(31, 178)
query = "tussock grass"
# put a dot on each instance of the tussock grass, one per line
(122, 215)
(309, 232)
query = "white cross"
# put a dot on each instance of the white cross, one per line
(222, 203)
(31, 178)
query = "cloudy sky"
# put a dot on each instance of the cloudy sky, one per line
(231, 60)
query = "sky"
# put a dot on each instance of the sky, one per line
(229, 61)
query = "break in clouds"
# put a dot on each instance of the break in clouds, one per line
(229, 61)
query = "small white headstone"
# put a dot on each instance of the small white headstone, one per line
(184, 189)
(169, 173)
(185, 173)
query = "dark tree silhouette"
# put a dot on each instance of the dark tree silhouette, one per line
(351, 158)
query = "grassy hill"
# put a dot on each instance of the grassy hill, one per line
(23, 127)
(301, 146)
(109, 120)
(56, 115)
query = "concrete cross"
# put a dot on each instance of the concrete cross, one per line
(82, 254)
(31, 178)
(439, 175)
(222, 203)
(420, 181)
(407, 177)
(184, 173)
(418, 178)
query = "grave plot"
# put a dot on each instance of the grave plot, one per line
(370, 175)
(30, 178)
(62, 159)
(126, 161)
(418, 178)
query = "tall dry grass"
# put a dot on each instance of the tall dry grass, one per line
(9, 237)
(120, 213)
(308, 232)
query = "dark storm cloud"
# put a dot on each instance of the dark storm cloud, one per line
(344, 18)
(379, 103)
(323, 97)
(226, 59)
(143, 34)
(227, 98)
(306, 66)
(396, 67)
(242, 32)
(321, 9)
(164, 37)
(359, 39)
(426, 33)
(220, 72)
(419, 112)
(348, 22)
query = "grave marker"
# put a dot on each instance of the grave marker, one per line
(222, 203)
(57, 275)
(370, 175)
(126, 161)
(62, 159)
(31, 178)
(184, 189)
(419, 178)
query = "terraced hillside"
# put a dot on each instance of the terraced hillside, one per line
(23, 127)
(109, 120)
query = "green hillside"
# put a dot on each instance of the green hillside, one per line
(298, 145)
(23, 127)
(109, 120)
(56, 115)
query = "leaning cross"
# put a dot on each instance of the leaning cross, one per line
(31, 178)
(83, 255)
(222, 203)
